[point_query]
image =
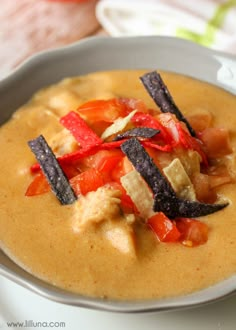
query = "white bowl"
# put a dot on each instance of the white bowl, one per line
(98, 54)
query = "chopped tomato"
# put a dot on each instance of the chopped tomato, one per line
(103, 160)
(70, 170)
(86, 181)
(180, 135)
(169, 122)
(216, 142)
(193, 232)
(200, 121)
(102, 110)
(219, 175)
(164, 228)
(219, 180)
(107, 164)
(133, 104)
(122, 167)
(99, 126)
(217, 169)
(202, 187)
(38, 186)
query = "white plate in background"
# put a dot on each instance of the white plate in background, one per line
(19, 305)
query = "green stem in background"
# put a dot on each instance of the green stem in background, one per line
(213, 25)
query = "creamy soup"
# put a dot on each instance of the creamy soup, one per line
(48, 240)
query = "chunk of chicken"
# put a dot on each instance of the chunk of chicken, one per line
(63, 143)
(63, 102)
(96, 207)
(121, 236)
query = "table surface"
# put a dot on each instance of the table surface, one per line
(29, 26)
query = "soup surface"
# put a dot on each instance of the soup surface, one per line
(43, 236)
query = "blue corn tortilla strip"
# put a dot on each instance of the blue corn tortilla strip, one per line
(141, 132)
(165, 198)
(52, 170)
(158, 91)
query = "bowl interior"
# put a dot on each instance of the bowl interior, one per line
(98, 54)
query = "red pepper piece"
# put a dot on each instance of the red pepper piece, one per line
(38, 186)
(83, 134)
(122, 167)
(81, 153)
(103, 110)
(164, 228)
(216, 142)
(193, 232)
(87, 181)
(69, 158)
(166, 148)
(111, 145)
(146, 120)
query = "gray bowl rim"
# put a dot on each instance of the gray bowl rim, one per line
(18, 275)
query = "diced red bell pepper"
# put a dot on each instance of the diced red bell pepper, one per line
(81, 153)
(83, 134)
(149, 144)
(103, 160)
(109, 162)
(219, 180)
(200, 121)
(70, 158)
(180, 136)
(164, 228)
(86, 181)
(202, 187)
(216, 142)
(218, 175)
(193, 232)
(85, 152)
(38, 186)
(70, 170)
(122, 167)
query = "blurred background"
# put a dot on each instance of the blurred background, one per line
(30, 26)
